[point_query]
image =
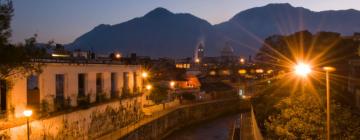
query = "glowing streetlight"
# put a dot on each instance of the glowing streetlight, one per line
(302, 69)
(327, 70)
(27, 114)
(148, 87)
(144, 75)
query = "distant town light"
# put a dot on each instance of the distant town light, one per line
(212, 72)
(259, 71)
(242, 71)
(117, 55)
(242, 60)
(197, 60)
(60, 55)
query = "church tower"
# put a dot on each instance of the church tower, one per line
(199, 52)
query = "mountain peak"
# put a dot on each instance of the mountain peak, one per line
(159, 12)
(279, 5)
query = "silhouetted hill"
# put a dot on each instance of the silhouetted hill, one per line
(162, 33)
(251, 26)
(158, 33)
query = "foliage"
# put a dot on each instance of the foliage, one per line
(84, 101)
(15, 58)
(159, 93)
(323, 48)
(300, 117)
(188, 96)
(45, 107)
(285, 115)
(6, 13)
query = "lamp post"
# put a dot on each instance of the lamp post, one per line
(303, 70)
(327, 70)
(27, 114)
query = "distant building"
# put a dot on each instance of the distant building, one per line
(227, 54)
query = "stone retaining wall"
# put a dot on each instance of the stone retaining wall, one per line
(181, 117)
(82, 124)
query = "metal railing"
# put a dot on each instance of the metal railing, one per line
(255, 127)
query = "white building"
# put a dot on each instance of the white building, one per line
(70, 84)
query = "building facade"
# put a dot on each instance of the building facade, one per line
(70, 85)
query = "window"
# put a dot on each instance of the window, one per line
(99, 83)
(3, 90)
(113, 84)
(81, 84)
(33, 92)
(59, 85)
(126, 83)
(135, 82)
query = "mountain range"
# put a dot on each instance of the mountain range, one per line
(161, 33)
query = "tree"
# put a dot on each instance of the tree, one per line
(159, 93)
(302, 116)
(323, 48)
(6, 13)
(15, 59)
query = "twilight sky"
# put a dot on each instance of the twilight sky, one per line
(65, 20)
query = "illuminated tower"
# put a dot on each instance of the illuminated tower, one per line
(199, 53)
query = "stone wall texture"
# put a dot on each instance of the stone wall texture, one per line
(82, 124)
(181, 117)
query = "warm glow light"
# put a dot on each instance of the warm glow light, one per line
(144, 74)
(148, 87)
(27, 113)
(302, 69)
(242, 71)
(60, 55)
(212, 72)
(172, 84)
(117, 55)
(329, 69)
(259, 71)
(242, 60)
(197, 60)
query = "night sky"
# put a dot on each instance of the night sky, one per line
(65, 20)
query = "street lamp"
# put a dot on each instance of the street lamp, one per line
(27, 114)
(148, 87)
(327, 70)
(302, 69)
(144, 75)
